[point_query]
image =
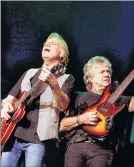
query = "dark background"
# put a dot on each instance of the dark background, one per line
(89, 28)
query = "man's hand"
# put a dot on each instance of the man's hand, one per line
(47, 76)
(7, 108)
(88, 118)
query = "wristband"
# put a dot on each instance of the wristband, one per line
(78, 120)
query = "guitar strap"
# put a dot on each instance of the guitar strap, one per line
(43, 85)
(40, 88)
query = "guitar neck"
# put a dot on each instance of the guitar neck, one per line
(121, 88)
(27, 94)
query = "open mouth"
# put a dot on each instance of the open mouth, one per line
(47, 50)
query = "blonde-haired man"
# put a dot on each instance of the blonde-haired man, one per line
(84, 149)
(37, 133)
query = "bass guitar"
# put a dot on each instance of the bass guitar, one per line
(7, 126)
(107, 109)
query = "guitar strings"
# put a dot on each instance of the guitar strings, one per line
(118, 91)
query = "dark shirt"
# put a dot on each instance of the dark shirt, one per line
(83, 101)
(26, 129)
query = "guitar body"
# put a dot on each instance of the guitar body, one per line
(106, 112)
(7, 127)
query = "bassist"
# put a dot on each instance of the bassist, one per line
(84, 149)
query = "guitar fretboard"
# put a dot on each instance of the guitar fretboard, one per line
(34, 87)
(120, 89)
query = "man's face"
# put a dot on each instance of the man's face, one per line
(101, 75)
(51, 49)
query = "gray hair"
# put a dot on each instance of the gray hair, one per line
(87, 69)
(63, 44)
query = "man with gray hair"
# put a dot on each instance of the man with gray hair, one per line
(88, 143)
(36, 134)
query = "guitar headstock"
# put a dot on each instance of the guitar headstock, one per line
(59, 66)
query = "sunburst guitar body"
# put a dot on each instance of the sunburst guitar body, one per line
(107, 109)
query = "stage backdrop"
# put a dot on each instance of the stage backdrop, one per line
(90, 28)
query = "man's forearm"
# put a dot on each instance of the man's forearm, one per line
(61, 99)
(68, 123)
(131, 105)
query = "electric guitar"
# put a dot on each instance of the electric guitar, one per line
(107, 109)
(7, 126)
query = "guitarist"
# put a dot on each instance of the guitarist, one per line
(83, 149)
(37, 133)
